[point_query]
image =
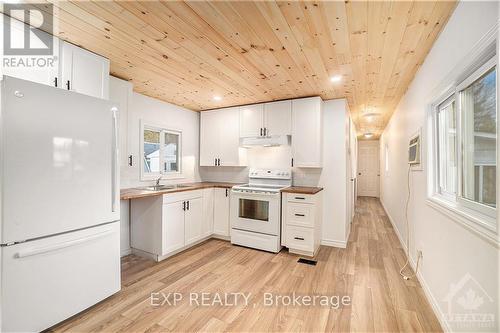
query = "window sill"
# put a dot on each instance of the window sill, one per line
(473, 221)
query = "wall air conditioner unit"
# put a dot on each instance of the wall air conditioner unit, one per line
(414, 149)
(269, 141)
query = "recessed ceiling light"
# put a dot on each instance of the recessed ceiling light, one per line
(371, 116)
(336, 78)
(217, 98)
(368, 135)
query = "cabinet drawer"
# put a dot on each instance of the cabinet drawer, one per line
(300, 238)
(300, 214)
(182, 196)
(304, 198)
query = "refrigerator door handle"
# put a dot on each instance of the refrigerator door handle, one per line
(114, 160)
(73, 242)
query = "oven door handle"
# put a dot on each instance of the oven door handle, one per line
(256, 194)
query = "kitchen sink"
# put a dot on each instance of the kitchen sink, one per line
(183, 185)
(157, 188)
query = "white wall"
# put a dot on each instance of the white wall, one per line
(135, 107)
(450, 251)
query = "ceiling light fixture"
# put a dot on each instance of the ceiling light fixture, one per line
(371, 116)
(336, 78)
(368, 135)
(217, 98)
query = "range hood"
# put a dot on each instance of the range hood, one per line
(266, 141)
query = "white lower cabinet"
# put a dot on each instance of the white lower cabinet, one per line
(163, 225)
(207, 227)
(301, 222)
(166, 224)
(193, 221)
(173, 227)
(221, 211)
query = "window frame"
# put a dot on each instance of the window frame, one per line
(475, 216)
(482, 70)
(449, 98)
(146, 176)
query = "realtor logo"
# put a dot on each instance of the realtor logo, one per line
(467, 304)
(34, 41)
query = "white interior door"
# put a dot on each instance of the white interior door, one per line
(368, 168)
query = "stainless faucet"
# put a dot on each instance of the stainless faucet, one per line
(158, 182)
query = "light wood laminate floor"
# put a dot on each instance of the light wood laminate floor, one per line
(367, 271)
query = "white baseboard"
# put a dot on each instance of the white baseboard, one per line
(425, 287)
(125, 252)
(334, 243)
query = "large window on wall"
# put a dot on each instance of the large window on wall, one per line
(161, 153)
(465, 141)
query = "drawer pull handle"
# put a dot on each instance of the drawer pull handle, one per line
(301, 215)
(300, 198)
(298, 238)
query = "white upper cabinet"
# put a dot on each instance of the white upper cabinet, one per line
(220, 138)
(209, 137)
(252, 120)
(307, 132)
(229, 148)
(69, 67)
(278, 118)
(266, 119)
(83, 71)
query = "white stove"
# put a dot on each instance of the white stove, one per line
(256, 209)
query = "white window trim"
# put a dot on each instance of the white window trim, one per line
(486, 210)
(477, 221)
(164, 176)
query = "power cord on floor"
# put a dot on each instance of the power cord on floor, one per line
(407, 277)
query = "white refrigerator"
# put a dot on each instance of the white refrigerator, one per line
(59, 211)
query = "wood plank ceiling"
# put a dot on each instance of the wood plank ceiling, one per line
(246, 52)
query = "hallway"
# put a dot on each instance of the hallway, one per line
(367, 271)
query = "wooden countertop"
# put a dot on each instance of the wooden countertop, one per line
(302, 189)
(134, 193)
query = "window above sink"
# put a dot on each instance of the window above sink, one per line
(161, 152)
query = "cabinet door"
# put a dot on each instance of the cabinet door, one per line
(307, 132)
(86, 72)
(209, 137)
(208, 212)
(173, 227)
(229, 148)
(221, 211)
(251, 120)
(193, 220)
(278, 118)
